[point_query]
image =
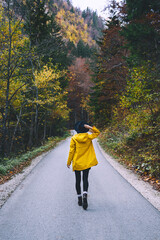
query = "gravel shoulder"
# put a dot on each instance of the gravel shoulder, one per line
(144, 188)
(10, 186)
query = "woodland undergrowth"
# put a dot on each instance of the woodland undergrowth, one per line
(138, 151)
(11, 166)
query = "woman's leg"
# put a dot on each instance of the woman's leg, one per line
(78, 187)
(85, 187)
(78, 182)
(85, 180)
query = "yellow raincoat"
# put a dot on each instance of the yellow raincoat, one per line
(82, 154)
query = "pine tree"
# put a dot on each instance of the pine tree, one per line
(142, 30)
(110, 72)
(36, 21)
(44, 33)
(83, 50)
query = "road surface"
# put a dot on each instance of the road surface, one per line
(44, 206)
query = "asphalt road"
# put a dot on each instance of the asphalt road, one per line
(44, 206)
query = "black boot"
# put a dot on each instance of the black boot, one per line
(85, 203)
(80, 201)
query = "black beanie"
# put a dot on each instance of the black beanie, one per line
(79, 127)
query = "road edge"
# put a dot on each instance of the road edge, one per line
(7, 188)
(144, 188)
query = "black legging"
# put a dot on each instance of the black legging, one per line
(85, 180)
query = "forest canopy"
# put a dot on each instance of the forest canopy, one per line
(60, 65)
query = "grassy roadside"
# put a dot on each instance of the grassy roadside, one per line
(12, 166)
(135, 152)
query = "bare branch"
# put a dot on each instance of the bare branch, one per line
(16, 92)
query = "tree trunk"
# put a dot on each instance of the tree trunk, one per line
(36, 112)
(45, 128)
(30, 142)
(4, 127)
(15, 130)
(36, 118)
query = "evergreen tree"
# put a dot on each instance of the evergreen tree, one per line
(69, 2)
(142, 30)
(110, 72)
(138, 8)
(84, 14)
(72, 48)
(83, 50)
(72, 10)
(87, 50)
(44, 33)
(80, 49)
(95, 19)
(36, 21)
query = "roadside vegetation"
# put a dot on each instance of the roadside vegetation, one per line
(16, 164)
(59, 65)
(136, 151)
(38, 59)
(126, 95)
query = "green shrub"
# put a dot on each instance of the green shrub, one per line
(3, 170)
(9, 164)
(138, 150)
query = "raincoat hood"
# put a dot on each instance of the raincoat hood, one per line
(81, 137)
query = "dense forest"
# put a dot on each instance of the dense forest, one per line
(42, 44)
(126, 96)
(60, 64)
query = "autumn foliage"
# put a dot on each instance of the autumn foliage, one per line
(45, 78)
(110, 75)
(58, 66)
(32, 94)
(126, 95)
(79, 90)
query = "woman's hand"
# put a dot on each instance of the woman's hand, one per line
(87, 126)
(68, 166)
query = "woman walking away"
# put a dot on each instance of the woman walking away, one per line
(82, 156)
